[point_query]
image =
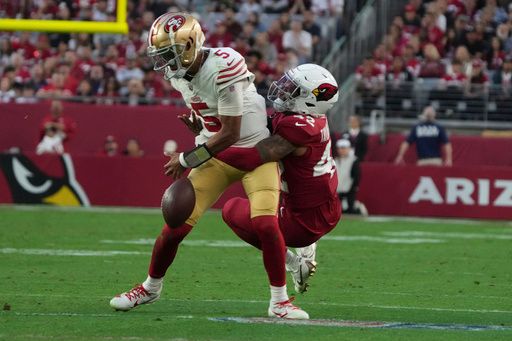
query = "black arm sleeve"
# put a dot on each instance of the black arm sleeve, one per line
(355, 173)
(270, 124)
(363, 145)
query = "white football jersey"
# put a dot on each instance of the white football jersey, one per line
(222, 68)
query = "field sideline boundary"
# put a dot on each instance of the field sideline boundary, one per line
(302, 323)
(156, 210)
(350, 305)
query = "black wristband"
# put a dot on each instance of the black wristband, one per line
(196, 156)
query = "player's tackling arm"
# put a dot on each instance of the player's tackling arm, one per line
(274, 148)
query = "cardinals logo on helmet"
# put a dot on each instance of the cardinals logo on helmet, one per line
(325, 92)
(29, 184)
(174, 23)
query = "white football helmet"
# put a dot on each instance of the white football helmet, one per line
(308, 89)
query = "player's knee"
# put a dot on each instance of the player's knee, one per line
(227, 209)
(233, 208)
(266, 226)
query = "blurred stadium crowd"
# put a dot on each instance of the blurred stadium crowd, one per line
(463, 46)
(107, 68)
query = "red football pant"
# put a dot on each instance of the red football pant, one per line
(165, 248)
(297, 231)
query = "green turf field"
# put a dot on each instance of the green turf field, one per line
(430, 280)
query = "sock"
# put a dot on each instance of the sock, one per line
(153, 285)
(278, 294)
(308, 252)
(165, 248)
(237, 215)
(272, 245)
(292, 260)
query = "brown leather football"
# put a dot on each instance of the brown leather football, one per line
(178, 202)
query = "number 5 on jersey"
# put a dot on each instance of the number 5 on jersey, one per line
(211, 123)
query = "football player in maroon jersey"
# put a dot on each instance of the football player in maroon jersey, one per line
(309, 206)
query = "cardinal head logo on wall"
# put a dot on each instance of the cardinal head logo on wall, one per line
(30, 184)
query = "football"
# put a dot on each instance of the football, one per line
(178, 202)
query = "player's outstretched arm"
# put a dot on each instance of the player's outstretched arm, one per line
(274, 148)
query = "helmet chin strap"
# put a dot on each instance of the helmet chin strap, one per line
(181, 72)
(282, 106)
(169, 74)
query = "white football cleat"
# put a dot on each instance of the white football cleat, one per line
(286, 310)
(301, 274)
(137, 296)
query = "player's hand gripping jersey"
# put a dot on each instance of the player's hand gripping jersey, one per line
(308, 180)
(223, 82)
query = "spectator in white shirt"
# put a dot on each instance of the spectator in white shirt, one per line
(274, 6)
(51, 142)
(7, 93)
(299, 40)
(99, 12)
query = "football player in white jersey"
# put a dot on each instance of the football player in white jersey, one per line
(218, 88)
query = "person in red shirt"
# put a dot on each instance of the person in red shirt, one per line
(454, 77)
(370, 78)
(431, 67)
(479, 81)
(397, 74)
(495, 55)
(310, 207)
(23, 43)
(431, 33)
(412, 22)
(84, 63)
(221, 36)
(110, 147)
(412, 63)
(55, 88)
(63, 125)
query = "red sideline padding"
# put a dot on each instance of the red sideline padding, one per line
(462, 192)
(106, 181)
(467, 150)
(151, 125)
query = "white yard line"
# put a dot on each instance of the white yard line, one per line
(341, 291)
(63, 252)
(366, 305)
(156, 210)
(189, 242)
(88, 337)
(383, 239)
(427, 220)
(235, 243)
(360, 324)
(59, 314)
(455, 235)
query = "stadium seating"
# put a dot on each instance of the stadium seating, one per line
(452, 54)
(109, 68)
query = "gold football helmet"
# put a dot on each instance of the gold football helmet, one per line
(174, 41)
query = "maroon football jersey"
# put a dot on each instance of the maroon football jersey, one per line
(309, 180)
